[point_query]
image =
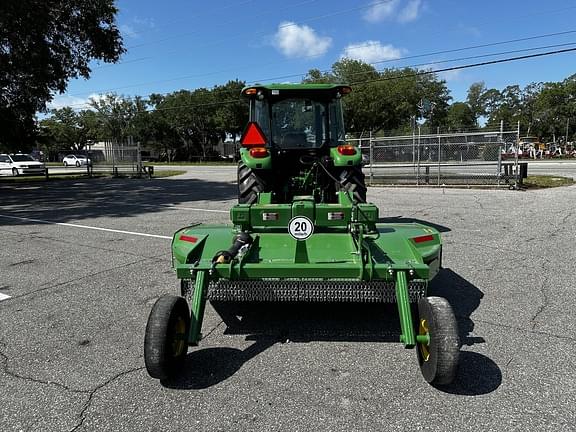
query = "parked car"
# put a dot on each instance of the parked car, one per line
(76, 160)
(20, 164)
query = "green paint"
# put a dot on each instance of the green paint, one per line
(197, 307)
(406, 324)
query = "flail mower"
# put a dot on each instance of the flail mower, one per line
(303, 232)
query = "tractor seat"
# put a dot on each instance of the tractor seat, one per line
(294, 139)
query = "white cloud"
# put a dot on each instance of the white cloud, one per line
(129, 31)
(410, 12)
(77, 103)
(380, 11)
(372, 52)
(393, 10)
(293, 40)
(61, 101)
(144, 22)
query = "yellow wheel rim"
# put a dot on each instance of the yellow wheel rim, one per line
(179, 338)
(424, 348)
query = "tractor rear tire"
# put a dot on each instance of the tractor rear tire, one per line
(439, 359)
(352, 180)
(250, 185)
(166, 340)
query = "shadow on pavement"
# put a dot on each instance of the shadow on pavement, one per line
(270, 323)
(73, 200)
(477, 374)
(206, 367)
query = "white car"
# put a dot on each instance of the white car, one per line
(76, 160)
(20, 164)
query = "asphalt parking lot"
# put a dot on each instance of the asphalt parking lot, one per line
(82, 263)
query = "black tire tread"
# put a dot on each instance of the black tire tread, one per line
(444, 348)
(159, 363)
(250, 185)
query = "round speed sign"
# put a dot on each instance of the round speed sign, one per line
(300, 227)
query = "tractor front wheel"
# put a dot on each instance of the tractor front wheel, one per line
(166, 340)
(352, 180)
(438, 358)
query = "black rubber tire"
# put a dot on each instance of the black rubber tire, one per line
(163, 355)
(444, 348)
(65, 164)
(352, 180)
(15, 172)
(250, 185)
(77, 164)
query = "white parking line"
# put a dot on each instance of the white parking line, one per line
(4, 297)
(173, 207)
(85, 227)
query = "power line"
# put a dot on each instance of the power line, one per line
(416, 74)
(468, 66)
(423, 64)
(481, 46)
(435, 62)
(302, 74)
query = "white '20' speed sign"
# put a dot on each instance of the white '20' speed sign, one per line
(300, 227)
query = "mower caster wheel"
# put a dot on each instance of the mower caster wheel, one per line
(438, 358)
(166, 340)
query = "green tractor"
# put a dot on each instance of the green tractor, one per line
(303, 232)
(295, 145)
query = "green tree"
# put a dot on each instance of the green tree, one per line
(71, 130)
(43, 44)
(384, 100)
(476, 100)
(231, 115)
(460, 117)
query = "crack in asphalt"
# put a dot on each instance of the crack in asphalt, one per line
(6, 369)
(565, 218)
(531, 331)
(91, 393)
(204, 337)
(477, 199)
(78, 279)
(545, 301)
(82, 415)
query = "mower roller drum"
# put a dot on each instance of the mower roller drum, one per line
(303, 232)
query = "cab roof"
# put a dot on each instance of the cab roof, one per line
(326, 90)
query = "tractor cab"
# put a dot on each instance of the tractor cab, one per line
(298, 116)
(294, 144)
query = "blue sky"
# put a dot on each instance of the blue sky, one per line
(175, 45)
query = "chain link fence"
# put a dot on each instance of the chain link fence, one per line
(471, 158)
(118, 158)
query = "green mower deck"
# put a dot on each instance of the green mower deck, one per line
(349, 257)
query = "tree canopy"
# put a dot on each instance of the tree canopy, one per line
(188, 124)
(384, 100)
(43, 44)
